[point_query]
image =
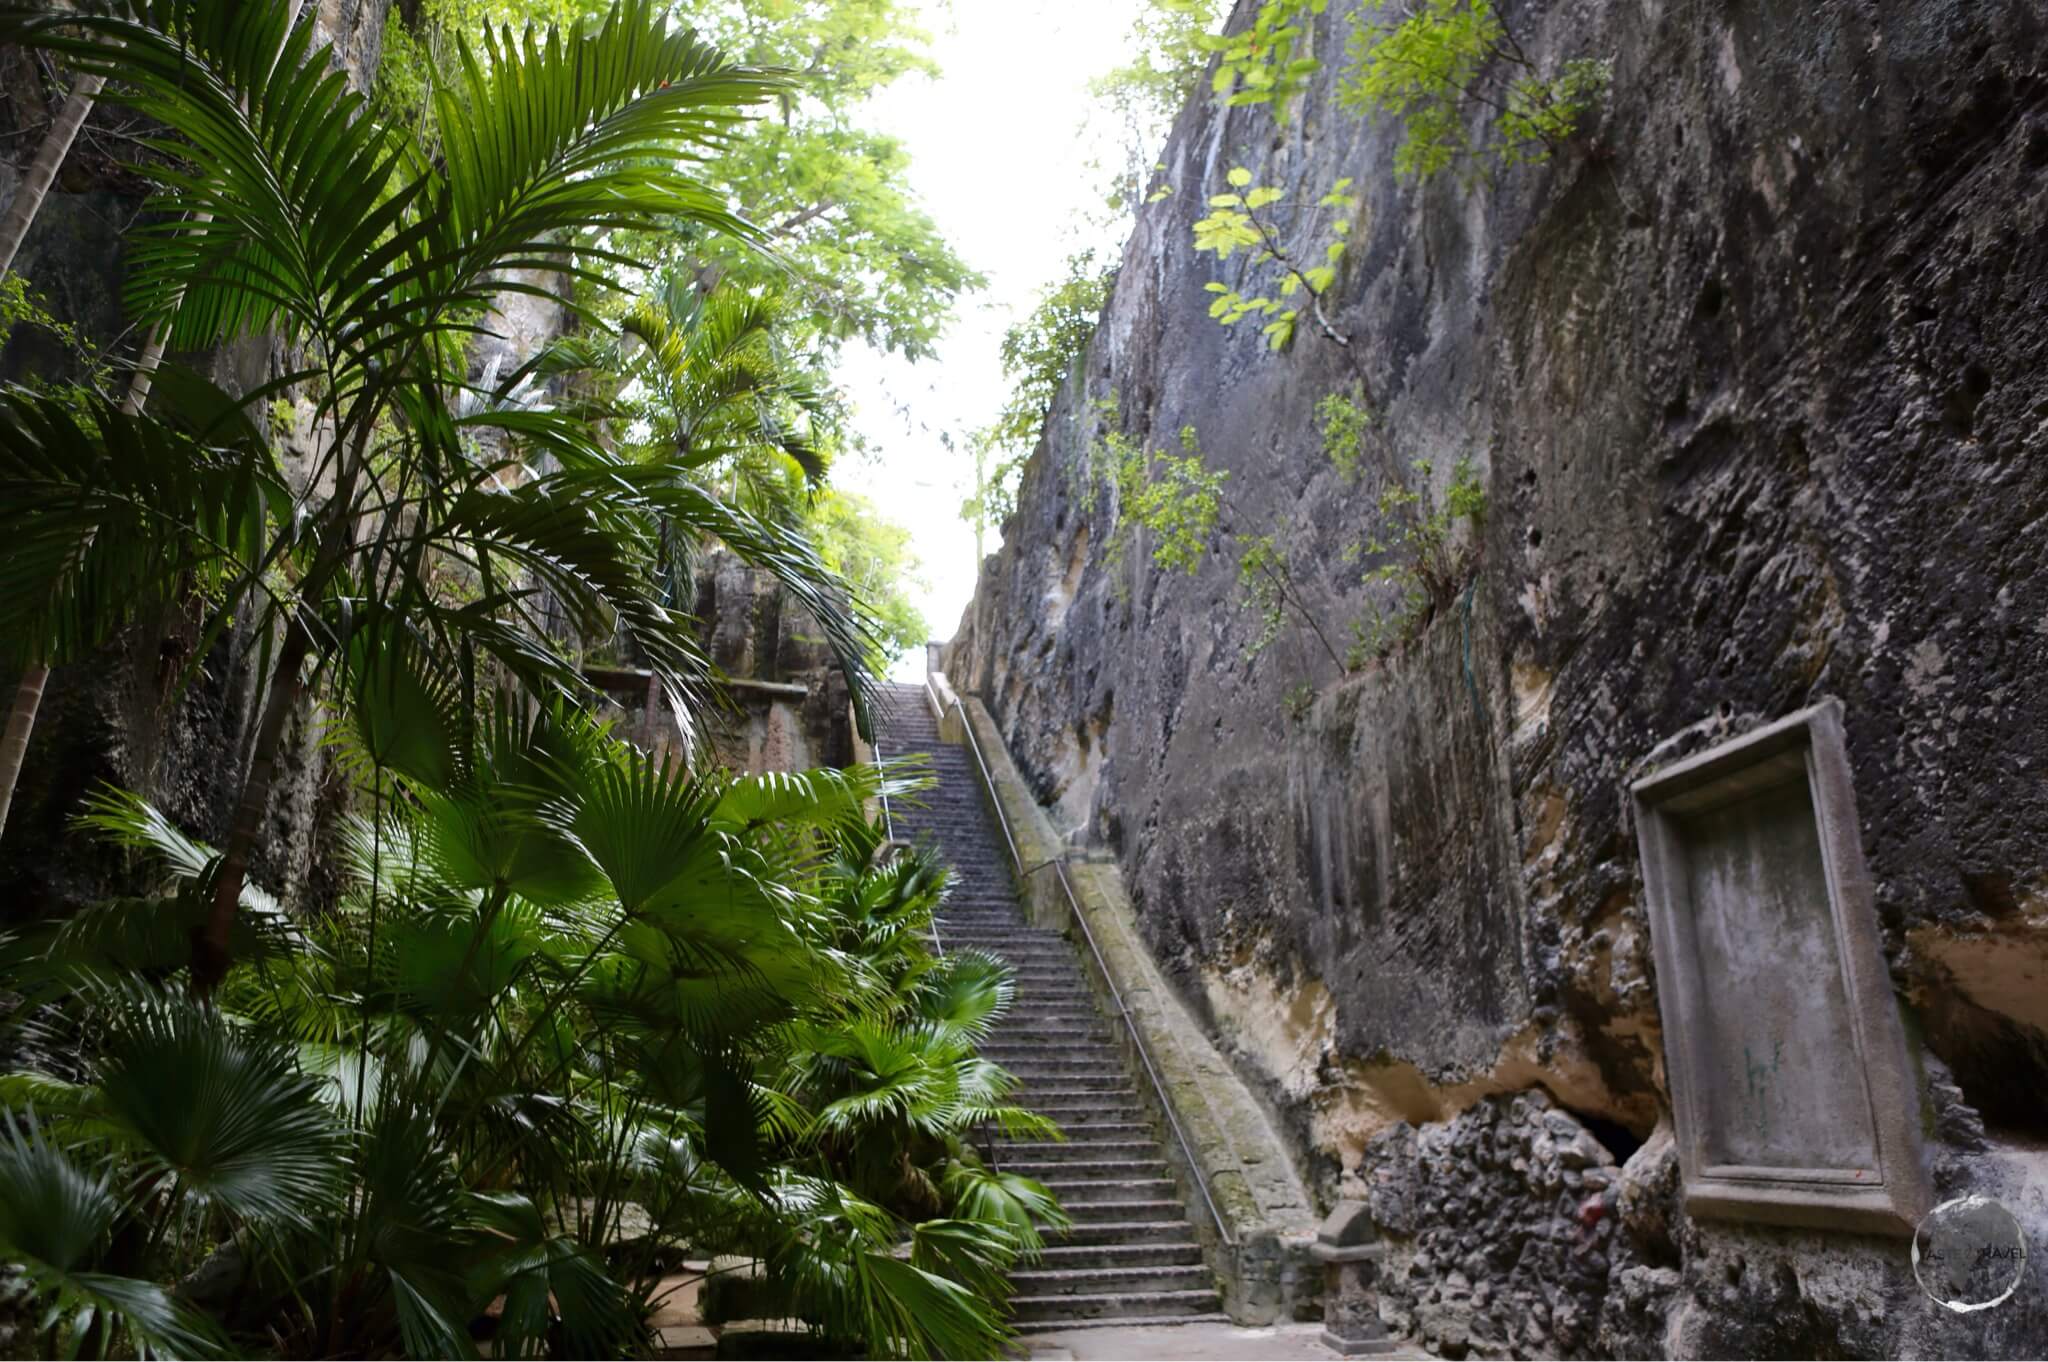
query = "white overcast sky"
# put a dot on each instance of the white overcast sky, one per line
(1001, 161)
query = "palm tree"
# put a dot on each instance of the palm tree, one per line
(703, 369)
(289, 208)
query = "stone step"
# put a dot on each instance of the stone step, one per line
(1074, 1191)
(1066, 1035)
(1132, 1305)
(1081, 1149)
(1165, 1253)
(1052, 1069)
(1085, 1053)
(1103, 1281)
(1120, 1212)
(1063, 1171)
(1101, 1132)
(1077, 1116)
(1147, 1322)
(1094, 1234)
(1066, 1084)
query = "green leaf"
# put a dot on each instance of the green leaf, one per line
(262, 1146)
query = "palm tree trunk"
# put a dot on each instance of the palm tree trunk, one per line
(49, 156)
(210, 951)
(28, 200)
(21, 721)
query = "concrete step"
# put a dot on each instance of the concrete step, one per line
(1132, 1305)
(1085, 1053)
(1112, 1233)
(1105, 1281)
(1046, 1030)
(1103, 1212)
(1125, 1322)
(1064, 1171)
(1067, 1084)
(1076, 1117)
(1080, 1149)
(1074, 1191)
(1048, 1059)
(1166, 1253)
(1130, 1132)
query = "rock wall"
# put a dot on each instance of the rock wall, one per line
(1753, 378)
(119, 717)
(787, 706)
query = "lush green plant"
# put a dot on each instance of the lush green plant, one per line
(286, 204)
(1447, 58)
(873, 555)
(1259, 64)
(699, 381)
(1236, 222)
(1427, 554)
(1173, 498)
(578, 1013)
(1037, 355)
(23, 308)
(1345, 422)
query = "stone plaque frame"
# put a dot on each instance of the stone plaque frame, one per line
(1803, 749)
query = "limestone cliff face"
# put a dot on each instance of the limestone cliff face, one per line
(1754, 380)
(119, 717)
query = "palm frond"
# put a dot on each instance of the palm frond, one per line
(55, 1219)
(228, 1115)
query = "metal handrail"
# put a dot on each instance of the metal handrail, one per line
(882, 788)
(1123, 1010)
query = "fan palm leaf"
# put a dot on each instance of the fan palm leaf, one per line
(227, 1116)
(55, 1218)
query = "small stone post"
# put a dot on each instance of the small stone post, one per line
(1350, 1249)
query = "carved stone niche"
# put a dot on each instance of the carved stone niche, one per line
(1795, 1098)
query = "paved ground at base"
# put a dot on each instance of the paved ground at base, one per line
(1185, 1343)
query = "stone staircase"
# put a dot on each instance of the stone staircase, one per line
(1131, 1256)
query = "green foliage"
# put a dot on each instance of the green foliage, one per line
(856, 253)
(1171, 39)
(1261, 63)
(872, 553)
(1236, 221)
(285, 203)
(23, 308)
(1427, 556)
(1447, 58)
(1037, 354)
(1174, 498)
(1344, 424)
(579, 1010)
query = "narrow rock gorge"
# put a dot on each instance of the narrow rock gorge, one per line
(1752, 377)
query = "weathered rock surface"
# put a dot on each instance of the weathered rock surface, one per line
(118, 718)
(1754, 379)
